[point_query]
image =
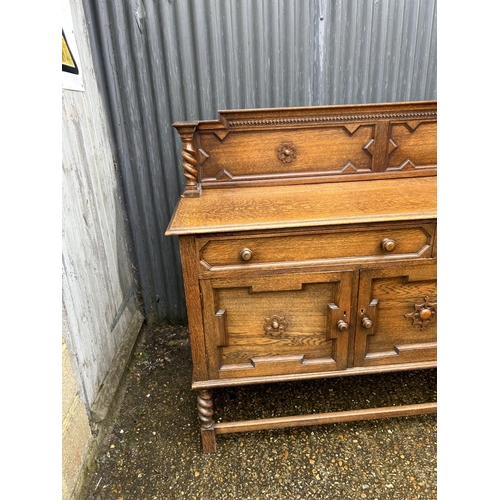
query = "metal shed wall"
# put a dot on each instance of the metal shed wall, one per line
(161, 61)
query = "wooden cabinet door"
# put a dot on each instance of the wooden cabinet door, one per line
(284, 324)
(396, 315)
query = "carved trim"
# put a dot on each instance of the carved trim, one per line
(327, 119)
(352, 128)
(350, 167)
(221, 134)
(368, 147)
(392, 146)
(204, 156)
(224, 174)
(412, 125)
(423, 313)
(406, 165)
(221, 328)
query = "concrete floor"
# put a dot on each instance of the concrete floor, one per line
(151, 449)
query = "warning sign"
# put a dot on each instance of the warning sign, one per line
(71, 66)
(68, 61)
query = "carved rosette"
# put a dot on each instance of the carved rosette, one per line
(188, 153)
(423, 313)
(275, 325)
(287, 152)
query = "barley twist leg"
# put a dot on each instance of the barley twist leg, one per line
(205, 412)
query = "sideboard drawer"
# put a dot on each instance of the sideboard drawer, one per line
(410, 241)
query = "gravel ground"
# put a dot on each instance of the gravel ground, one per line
(152, 449)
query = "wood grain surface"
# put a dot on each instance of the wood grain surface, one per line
(275, 207)
(308, 245)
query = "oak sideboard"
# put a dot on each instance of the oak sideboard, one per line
(308, 247)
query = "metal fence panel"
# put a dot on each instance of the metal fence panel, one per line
(161, 61)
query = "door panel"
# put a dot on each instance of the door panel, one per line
(270, 325)
(396, 316)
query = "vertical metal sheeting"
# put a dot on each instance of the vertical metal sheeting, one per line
(161, 61)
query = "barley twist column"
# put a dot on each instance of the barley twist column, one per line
(205, 412)
(188, 153)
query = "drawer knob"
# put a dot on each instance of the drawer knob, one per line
(246, 254)
(425, 314)
(388, 245)
(367, 323)
(342, 325)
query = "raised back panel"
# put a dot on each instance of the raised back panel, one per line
(310, 144)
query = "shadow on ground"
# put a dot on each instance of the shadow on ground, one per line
(152, 447)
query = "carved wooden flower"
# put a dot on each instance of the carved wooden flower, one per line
(287, 152)
(423, 313)
(275, 325)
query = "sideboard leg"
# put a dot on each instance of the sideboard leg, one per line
(205, 412)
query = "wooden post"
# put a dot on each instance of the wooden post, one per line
(188, 153)
(205, 411)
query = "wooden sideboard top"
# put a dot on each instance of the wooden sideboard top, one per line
(295, 206)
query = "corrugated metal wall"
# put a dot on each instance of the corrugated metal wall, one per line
(161, 61)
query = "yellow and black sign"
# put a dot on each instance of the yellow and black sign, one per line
(68, 61)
